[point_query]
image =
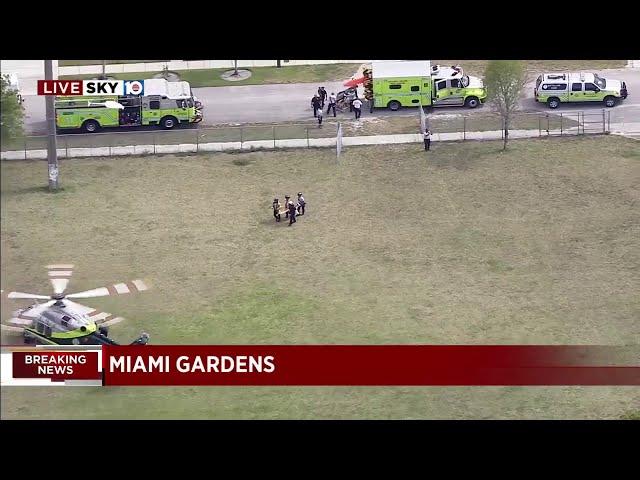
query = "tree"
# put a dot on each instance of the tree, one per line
(505, 80)
(12, 111)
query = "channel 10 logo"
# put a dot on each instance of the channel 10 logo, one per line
(134, 87)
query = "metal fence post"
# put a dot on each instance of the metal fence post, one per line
(464, 128)
(307, 129)
(197, 141)
(561, 118)
(548, 131)
(25, 147)
(539, 126)
(604, 128)
(609, 122)
(154, 142)
(241, 136)
(274, 136)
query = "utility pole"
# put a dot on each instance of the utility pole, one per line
(104, 70)
(52, 144)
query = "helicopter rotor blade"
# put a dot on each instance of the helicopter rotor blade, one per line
(116, 289)
(38, 309)
(26, 317)
(99, 317)
(27, 295)
(12, 329)
(59, 276)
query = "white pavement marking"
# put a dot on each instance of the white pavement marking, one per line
(60, 273)
(121, 288)
(112, 321)
(61, 266)
(140, 285)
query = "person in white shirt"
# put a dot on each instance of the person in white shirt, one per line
(357, 107)
(319, 115)
(332, 104)
(427, 139)
(301, 204)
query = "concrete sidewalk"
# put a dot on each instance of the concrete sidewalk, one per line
(132, 150)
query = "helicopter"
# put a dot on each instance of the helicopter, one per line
(61, 321)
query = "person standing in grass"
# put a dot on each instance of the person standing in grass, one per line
(292, 213)
(287, 199)
(301, 204)
(427, 139)
(276, 209)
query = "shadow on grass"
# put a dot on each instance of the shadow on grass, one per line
(37, 189)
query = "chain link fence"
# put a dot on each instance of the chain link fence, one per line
(195, 139)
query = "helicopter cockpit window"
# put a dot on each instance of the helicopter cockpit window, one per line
(40, 327)
(464, 81)
(65, 320)
(47, 331)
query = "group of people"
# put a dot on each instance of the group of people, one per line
(290, 209)
(318, 101)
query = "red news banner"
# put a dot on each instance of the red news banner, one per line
(388, 365)
(56, 366)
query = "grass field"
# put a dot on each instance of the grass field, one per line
(341, 71)
(260, 75)
(465, 245)
(75, 63)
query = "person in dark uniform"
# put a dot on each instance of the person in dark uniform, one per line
(323, 96)
(276, 209)
(292, 213)
(301, 204)
(315, 103)
(287, 199)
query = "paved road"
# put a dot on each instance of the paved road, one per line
(291, 103)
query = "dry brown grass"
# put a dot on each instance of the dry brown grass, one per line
(464, 245)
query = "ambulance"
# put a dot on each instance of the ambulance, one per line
(394, 84)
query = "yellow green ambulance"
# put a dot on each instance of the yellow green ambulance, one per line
(556, 88)
(400, 83)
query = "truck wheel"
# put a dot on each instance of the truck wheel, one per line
(90, 126)
(394, 105)
(472, 102)
(168, 122)
(553, 102)
(610, 101)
